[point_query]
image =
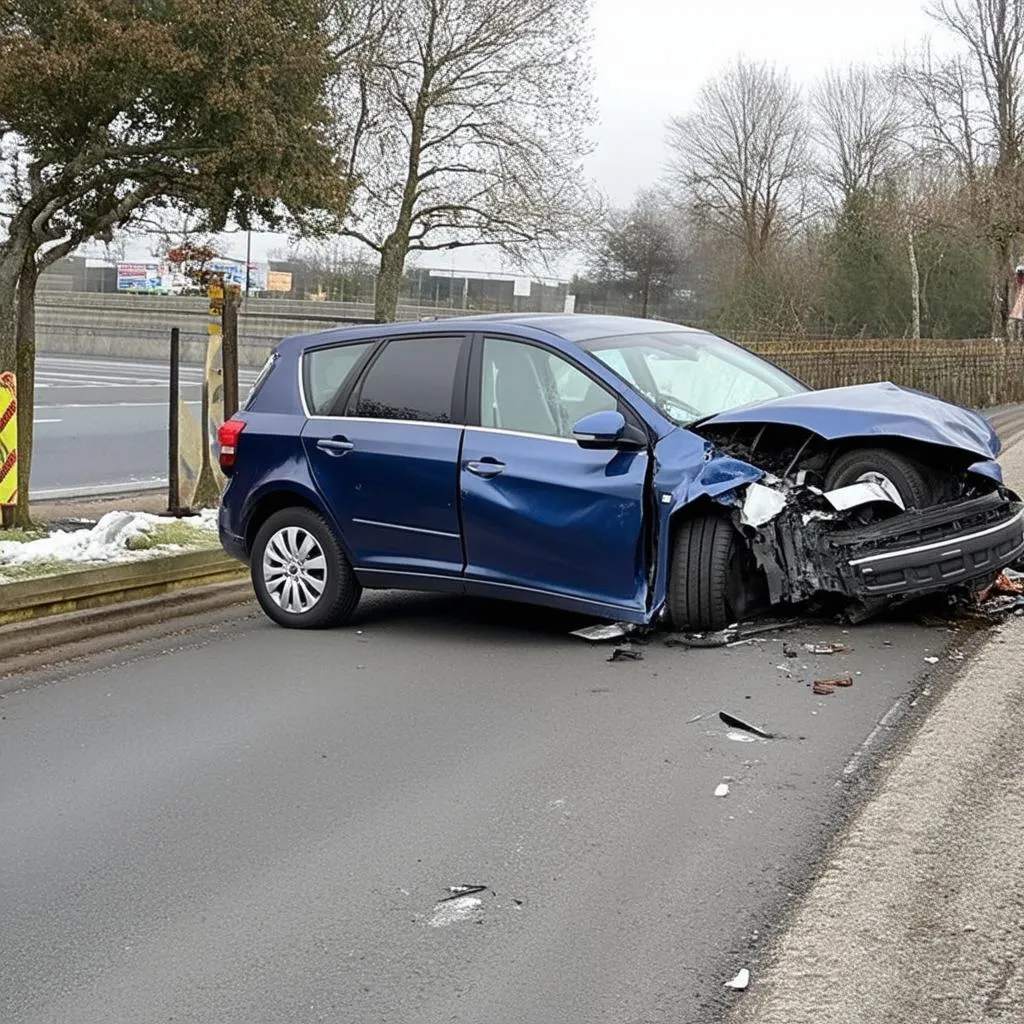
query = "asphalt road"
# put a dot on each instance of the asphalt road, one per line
(103, 422)
(245, 824)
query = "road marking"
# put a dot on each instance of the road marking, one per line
(112, 405)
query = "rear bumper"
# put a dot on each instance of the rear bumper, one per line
(965, 543)
(233, 545)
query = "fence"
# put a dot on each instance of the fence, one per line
(979, 373)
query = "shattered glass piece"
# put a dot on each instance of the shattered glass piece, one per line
(828, 648)
(761, 505)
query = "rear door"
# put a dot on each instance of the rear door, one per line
(384, 448)
(540, 513)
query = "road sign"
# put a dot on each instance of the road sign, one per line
(8, 439)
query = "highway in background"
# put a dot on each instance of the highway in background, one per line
(103, 422)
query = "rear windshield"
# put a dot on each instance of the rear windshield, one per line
(690, 376)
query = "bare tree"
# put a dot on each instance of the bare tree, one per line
(741, 156)
(970, 109)
(858, 124)
(640, 249)
(466, 122)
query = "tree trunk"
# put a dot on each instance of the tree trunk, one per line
(26, 372)
(12, 257)
(1000, 292)
(389, 278)
(915, 286)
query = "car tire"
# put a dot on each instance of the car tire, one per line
(705, 566)
(909, 478)
(301, 575)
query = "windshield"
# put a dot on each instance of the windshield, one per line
(690, 376)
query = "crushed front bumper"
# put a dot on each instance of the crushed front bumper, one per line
(961, 544)
(958, 544)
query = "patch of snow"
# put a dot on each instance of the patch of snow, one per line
(722, 789)
(741, 981)
(107, 541)
(463, 908)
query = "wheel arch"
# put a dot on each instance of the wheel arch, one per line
(273, 499)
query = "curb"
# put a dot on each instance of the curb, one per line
(31, 600)
(32, 643)
(129, 488)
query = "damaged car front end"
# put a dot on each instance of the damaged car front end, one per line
(853, 498)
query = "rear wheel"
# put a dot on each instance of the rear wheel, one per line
(705, 582)
(301, 576)
(913, 484)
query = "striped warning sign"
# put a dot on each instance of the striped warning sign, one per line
(8, 439)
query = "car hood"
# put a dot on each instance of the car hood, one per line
(873, 410)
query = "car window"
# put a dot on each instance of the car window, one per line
(528, 389)
(690, 375)
(326, 371)
(412, 379)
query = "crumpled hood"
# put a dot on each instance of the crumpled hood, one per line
(873, 410)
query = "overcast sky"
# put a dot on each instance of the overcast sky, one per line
(651, 57)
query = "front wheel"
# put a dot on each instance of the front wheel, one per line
(705, 583)
(301, 576)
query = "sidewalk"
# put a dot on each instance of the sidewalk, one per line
(918, 918)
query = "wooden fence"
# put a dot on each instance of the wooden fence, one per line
(976, 373)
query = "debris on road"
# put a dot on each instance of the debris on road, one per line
(462, 890)
(828, 648)
(722, 789)
(932, 660)
(737, 723)
(826, 687)
(453, 909)
(626, 654)
(731, 636)
(603, 631)
(740, 982)
(739, 737)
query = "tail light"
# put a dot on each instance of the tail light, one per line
(227, 439)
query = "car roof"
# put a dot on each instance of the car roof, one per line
(575, 328)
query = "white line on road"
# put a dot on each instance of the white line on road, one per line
(112, 405)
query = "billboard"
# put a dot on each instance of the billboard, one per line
(142, 277)
(279, 281)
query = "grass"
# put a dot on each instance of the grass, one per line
(179, 534)
(19, 535)
(40, 570)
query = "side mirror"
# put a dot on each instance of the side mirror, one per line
(600, 430)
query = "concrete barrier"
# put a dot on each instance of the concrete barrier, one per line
(114, 584)
(139, 326)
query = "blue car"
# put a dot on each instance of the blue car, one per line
(630, 470)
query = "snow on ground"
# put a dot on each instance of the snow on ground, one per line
(107, 541)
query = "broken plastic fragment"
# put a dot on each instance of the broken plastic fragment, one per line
(626, 654)
(739, 737)
(741, 981)
(604, 631)
(762, 505)
(864, 493)
(932, 660)
(737, 723)
(722, 789)
(830, 648)
(826, 687)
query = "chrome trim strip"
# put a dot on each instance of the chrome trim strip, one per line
(522, 433)
(408, 529)
(935, 545)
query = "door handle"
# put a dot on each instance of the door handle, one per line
(486, 468)
(335, 445)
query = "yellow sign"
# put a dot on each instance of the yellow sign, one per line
(279, 281)
(8, 439)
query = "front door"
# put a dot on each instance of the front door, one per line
(388, 463)
(540, 514)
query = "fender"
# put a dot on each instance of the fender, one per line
(687, 470)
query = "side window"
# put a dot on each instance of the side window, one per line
(525, 388)
(326, 371)
(412, 379)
